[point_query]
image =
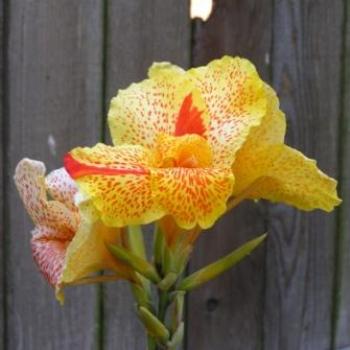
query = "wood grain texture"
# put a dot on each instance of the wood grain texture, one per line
(54, 89)
(301, 249)
(342, 326)
(228, 312)
(2, 124)
(138, 33)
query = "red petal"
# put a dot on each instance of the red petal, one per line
(189, 120)
(77, 169)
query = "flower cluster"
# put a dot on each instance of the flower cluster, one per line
(187, 147)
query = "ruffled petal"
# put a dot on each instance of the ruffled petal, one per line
(30, 182)
(282, 174)
(235, 98)
(167, 103)
(61, 187)
(272, 129)
(118, 181)
(193, 195)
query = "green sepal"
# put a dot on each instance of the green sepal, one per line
(168, 281)
(141, 296)
(154, 326)
(136, 245)
(158, 248)
(177, 337)
(215, 269)
(140, 265)
(178, 298)
(136, 241)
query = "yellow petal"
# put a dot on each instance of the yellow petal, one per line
(118, 181)
(193, 195)
(87, 253)
(272, 129)
(127, 188)
(282, 174)
(189, 151)
(236, 101)
(139, 113)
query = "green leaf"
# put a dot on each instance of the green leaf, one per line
(215, 269)
(154, 326)
(140, 265)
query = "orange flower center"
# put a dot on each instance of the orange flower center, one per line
(187, 151)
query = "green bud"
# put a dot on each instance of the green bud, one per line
(168, 281)
(154, 326)
(177, 337)
(215, 269)
(136, 241)
(140, 265)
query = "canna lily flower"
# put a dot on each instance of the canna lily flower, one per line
(175, 136)
(68, 244)
(186, 141)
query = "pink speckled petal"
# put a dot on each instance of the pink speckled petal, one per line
(62, 187)
(30, 182)
(49, 253)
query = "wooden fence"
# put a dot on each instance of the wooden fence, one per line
(61, 61)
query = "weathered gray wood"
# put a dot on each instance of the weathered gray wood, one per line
(228, 312)
(138, 33)
(301, 248)
(54, 89)
(2, 239)
(342, 335)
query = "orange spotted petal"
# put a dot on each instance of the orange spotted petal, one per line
(118, 181)
(282, 174)
(266, 168)
(167, 102)
(193, 195)
(235, 98)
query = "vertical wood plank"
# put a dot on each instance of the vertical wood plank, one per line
(300, 258)
(342, 288)
(54, 89)
(228, 312)
(138, 33)
(2, 239)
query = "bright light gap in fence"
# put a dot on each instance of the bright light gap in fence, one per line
(201, 9)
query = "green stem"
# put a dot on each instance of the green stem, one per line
(151, 344)
(162, 305)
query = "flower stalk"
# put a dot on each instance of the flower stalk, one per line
(159, 288)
